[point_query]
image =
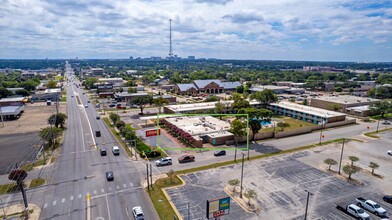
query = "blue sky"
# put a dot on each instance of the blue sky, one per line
(323, 30)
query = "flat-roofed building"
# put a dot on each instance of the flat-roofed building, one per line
(11, 112)
(113, 81)
(306, 113)
(361, 111)
(274, 89)
(199, 107)
(16, 101)
(96, 71)
(341, 102)
(126, 97)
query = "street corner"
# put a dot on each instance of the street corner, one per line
(33, 211)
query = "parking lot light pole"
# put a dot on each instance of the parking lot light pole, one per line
(307, 203)
(321, 131)
(341, 156)
(242, 174)
(378, 124)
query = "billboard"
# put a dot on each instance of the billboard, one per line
(155, 132)
(218, 207)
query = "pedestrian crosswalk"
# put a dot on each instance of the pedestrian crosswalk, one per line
(79, 196)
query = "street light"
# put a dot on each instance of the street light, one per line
(307, 203)
(378, 124)
(341, 156)
(321, 131)
(242, 173)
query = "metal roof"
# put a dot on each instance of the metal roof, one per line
(15, 99)
(204, 82)
(185, 87)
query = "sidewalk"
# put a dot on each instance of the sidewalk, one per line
(16, 212)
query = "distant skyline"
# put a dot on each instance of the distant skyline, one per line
(330, 30)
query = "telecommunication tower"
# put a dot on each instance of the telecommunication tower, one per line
(170, 37)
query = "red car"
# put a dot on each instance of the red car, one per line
(121, 107)
(186, 158)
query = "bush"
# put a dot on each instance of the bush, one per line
(120, 124)
(114, 117)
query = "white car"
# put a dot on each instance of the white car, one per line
(163, 161)
(390, 152)
(386, 123)
(138, 213)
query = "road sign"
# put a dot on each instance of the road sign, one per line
(155, 132)
(218, 207)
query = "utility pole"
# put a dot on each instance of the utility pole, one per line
(378, 124)
(242, 174)
(307, 203)
(321, 131)
(151, 177)
(235, 154)
(148, 182)
(2, 119)
(189, 216)
(341, 156)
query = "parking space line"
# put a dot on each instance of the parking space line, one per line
(71, 198)
(45, 205)
(125, 185)
(80, 196)
(102, 190)
(62, 200)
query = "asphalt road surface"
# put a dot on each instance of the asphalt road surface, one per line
(80, 171)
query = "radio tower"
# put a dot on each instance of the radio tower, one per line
(170, 47)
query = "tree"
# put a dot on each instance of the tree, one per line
(132, 90)
(330, 162)
(141, 101)
(130, 83)
(234, 183)
(120, 124)
(212, 98)
(22, 92)
(250, 194)
(237, 128)
(265, 97)
(4, 92)
(381, 108)
(58, 119)
(305, 101)
(373, 166)
(283, 125)
(89, 83)
(353, 159)
(114, 117)
(51, 84)
(160, 102)
(220, 108)
(256, 117)
(349, 170)
(170, 174)
(49, 135)
(239, 102)
(240, 89)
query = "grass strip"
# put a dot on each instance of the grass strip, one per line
(372, 134)
(8, 188)
(159, 200)
(30, 166)
(36, 182)
(118, 137)
(226, 163)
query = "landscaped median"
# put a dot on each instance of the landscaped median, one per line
(164, 206)
(372, 134)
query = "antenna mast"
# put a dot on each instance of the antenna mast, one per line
(170, 36)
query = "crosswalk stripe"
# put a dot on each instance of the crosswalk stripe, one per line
(102, 190)
(63, 200)
(71, 198)
(110, 188)
(54, 202)
(80, 196)
(46, 205)
(131, 184)
(117, 187)
(125, 185)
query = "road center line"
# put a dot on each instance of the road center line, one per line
(107, 203)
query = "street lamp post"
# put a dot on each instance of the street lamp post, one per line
(321, 131)
(242, 174)
(378, 124)
(341, 156)
(307, 203)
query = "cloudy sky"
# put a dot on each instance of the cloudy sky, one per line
(324, 30)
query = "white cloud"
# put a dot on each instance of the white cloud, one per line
(221, 28)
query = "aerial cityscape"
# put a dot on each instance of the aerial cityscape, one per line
(196, 109)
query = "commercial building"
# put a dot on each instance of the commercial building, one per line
(208, 86)
(11, 112)
(96, 71)
(306, 113)
(126, 97)
(113, 81)
(205, 129)
(16, 101)
(278, 89)
(200, 107)
(342, 102)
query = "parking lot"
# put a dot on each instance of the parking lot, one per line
(281, 181)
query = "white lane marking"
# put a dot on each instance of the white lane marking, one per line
(80, 196)
(110, 188)
(63, 200)
(116, 192)
(117, 187)
(131, 184)
(71, 198)
(125, 185)
(95, 192)
(107, 203)
(46, 205)
(102, 190)
(54, 202)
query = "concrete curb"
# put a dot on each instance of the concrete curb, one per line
(17, 210)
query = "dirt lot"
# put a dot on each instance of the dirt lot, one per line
(33, 119)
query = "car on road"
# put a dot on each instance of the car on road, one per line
(83, 93)
(98, 133)
(387, 198)
(112, 105)
(97, 106)
(71, 96)
(88, 101)
(186, 158)
(138, 213)
(103, 152)
(109, 176)
(86, 106)
(116, 150)
(98, 117)
(163, 161)
(389, 152)
(219, 153)
(385, 122)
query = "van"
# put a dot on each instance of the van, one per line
(116, 150)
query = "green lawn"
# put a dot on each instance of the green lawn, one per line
(159, 200)
(294, 124)
(36, 182)
(8, 188)
(30, 166)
